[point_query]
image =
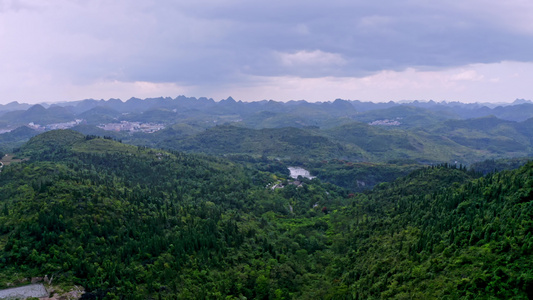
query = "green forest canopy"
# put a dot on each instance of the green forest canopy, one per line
(135, 223)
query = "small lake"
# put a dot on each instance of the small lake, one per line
(297, 171)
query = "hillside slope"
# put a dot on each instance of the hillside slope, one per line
(137, 223)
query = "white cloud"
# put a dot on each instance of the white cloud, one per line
(467, 75)
(500, 82)
(468, 84)
(53, 49)
(37, 89)
(311, 58)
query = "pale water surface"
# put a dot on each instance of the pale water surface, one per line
(297, 171)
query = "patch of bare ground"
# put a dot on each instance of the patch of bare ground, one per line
(23, 292)
(41, 288)
(10, 158)
(58, 294)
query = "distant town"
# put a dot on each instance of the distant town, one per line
(65, 125)
(122, 126)
(132, 127)
(385, 122)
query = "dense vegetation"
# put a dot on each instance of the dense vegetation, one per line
(465, 141)
(135, 223)
(15, 138)
(439, 234)
(426, 132)
(117, 218)
(377, 141)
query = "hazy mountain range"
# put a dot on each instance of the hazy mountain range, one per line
(428, 132)
(189, 107)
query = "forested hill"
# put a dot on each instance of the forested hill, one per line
(421, 132)
(137, 223)
(440, 234)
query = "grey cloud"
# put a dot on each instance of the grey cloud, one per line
(220, 41)
(371, 37)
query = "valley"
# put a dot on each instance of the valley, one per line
(269, 150)
(344, 211)
(134, 222)
(297, 132)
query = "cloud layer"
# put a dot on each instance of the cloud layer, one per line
(66, 50)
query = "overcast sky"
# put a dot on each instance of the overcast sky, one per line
(470, 50)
